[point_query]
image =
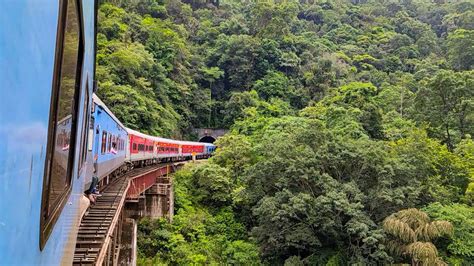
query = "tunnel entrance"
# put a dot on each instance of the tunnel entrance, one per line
(207, 139)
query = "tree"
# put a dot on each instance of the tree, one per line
(274, 84)
(461, 49)
(411, 236)
(446, 102)
(461, 249)
(360, 95)
(236, 105)
(340, 114)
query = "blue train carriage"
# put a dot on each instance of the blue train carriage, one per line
(47, 58)
(109, 144)
(209, 148)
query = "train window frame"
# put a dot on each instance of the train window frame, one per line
(109, 142)
(49, 214)
(85, 128)
(103, 142)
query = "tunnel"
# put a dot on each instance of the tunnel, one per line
(207, 139)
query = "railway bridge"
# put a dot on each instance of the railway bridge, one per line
(107, 232)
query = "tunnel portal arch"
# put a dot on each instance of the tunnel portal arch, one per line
(207, 139)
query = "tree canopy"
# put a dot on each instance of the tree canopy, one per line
(341, 114)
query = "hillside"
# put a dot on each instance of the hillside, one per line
(342, 113)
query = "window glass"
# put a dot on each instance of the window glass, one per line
(104, 142)
(62, 156)
(85, 127)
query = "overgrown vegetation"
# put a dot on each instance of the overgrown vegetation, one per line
(205, 229)
(342, 113)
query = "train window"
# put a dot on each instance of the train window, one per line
(63, 118)
(109, 143)
(90, 137)
(104, 142)
(112, 142)
(134, 146)
(85, 127)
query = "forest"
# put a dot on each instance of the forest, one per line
(351, 126)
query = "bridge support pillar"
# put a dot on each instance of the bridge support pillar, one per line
(158, 200)
(128, 252)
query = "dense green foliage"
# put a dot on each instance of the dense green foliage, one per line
(317, 185)
(342, 113)
(205, 230)
(462, 218)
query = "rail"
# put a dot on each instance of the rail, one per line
(98, 239)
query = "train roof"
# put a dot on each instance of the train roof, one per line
(160, 139)
(99, 102)
(143, 135)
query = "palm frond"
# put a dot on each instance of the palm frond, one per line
(440, 262)
(441, 228)
(423, 233)
(423, 252)
(413, 217)
(396, 248)
(399, 229)
(434, 230)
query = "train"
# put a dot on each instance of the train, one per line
(117, 149)
(54, 130)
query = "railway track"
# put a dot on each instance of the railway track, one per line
(99, 224)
